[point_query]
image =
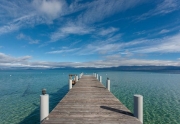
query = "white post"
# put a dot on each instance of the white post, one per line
(76, 78)
(108, 84)
(70, 84)
(94, 74)
(97, 76)
(44, 105)
(100, 79)
(138, 107)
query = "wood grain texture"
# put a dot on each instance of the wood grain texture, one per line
(89, 102)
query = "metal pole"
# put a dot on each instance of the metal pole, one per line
(44, 105)
(138, 107)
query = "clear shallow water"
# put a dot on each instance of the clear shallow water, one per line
(20, 90)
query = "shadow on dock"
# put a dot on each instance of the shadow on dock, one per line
(54, 98)
(98, 87)
(117, 110)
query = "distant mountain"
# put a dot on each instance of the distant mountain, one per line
(171, 69)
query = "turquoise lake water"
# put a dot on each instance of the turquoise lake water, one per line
(20, 93)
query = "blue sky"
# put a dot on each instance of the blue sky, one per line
(89, 33)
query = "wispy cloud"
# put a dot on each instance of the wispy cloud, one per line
(111, 45)
(23, 13)
(164, 31)
(27, 38)
(104, 32)
(170, 44)
(8, 28)
(70, 29)
(165, 7)
(64, 50)
(96, 12)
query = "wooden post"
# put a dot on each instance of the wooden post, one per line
(76, 78)
(108, 84)
(138, 107)
(44, 105)
(100, 79)
(97, 76)
(70, 84)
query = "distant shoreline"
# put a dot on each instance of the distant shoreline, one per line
(162, 69)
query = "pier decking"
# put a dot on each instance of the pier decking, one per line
(89, 102)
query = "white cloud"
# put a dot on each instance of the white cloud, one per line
(164, 31)
(101, 46)
(100, 9)
(24, 13)
(8, 28)
(169, 44)
(104, 32)
(70, 29)
(7, 61)
(111, 45)
(65, 50)
(52, 9)
(13, 9)
(27, 38)
(165, 7)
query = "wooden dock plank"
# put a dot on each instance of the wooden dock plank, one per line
(89, 102)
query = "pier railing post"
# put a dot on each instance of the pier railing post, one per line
(76, 78)
(108, 84)
(81, 75)
(44, 105)
(70, 84)
(138, 107)
(97, 76)
(100, 79)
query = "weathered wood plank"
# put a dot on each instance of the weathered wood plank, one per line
(89, 102)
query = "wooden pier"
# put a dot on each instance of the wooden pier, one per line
(89, 102)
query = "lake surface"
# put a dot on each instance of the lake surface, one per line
(20, 93)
